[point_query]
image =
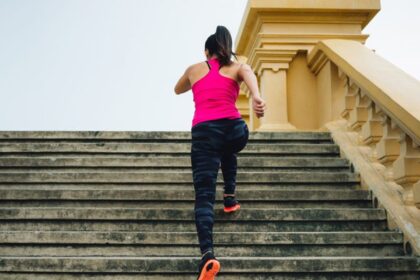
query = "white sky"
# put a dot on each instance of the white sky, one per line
(112, 64)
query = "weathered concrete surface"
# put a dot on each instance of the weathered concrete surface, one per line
(170, 214)
(119, 215)
(186, 238)
(183, 226)
(183, 194)
(243, 250)
(169, 162)
(158, 148)
(152, 135)
(188, 264)
(170, 177)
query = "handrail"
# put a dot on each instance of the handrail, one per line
(394, 91)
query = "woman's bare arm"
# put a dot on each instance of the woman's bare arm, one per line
(247, 75)
(183, 84)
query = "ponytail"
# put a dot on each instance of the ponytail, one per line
(220, 43)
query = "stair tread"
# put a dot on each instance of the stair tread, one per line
(181, 193)
(174, 238)
(315, 214)
(176, 264)
(133, 135)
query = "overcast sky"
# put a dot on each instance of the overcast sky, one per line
(112, 64)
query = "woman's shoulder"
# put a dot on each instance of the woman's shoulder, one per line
(199, 66)
(196, 66)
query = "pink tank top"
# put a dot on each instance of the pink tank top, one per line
(215, 96)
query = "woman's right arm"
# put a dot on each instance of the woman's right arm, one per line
(246, 74)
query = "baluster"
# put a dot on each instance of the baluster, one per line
(359, 115)
(349, 98)
(371, 131)
(388, 148)
(407, 167)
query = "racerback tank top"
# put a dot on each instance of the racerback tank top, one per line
(215, 96)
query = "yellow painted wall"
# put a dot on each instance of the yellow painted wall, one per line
(324, 95)
(301, 98)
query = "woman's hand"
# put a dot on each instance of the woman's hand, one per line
(258, 105)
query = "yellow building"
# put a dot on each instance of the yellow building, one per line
(316, 74)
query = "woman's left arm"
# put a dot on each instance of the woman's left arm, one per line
(183, 84)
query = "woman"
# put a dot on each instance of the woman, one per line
(218, 133)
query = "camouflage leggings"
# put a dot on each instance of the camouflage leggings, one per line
(214, 144)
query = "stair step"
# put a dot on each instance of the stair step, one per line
(171, 177)
(189, 238)
(309, 187)
(170, 214)
(184, 204)
(184, 194)
(181, 198)
(175, 265)
(137, 161)
(151, 135)
(243, 250)
(182, 226)
(389, 275)
(158, 148)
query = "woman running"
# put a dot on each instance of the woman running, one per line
(218, 133)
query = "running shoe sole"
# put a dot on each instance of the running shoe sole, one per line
(232, 208)
(209, 270)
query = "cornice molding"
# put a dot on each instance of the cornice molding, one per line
(260, 12)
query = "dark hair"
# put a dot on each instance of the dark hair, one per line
(220, 43)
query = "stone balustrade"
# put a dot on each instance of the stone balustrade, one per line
(390, 129)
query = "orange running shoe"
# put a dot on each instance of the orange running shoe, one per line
(209, 267)
(231, 204)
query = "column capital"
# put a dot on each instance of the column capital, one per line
(273, 66)
(275, 60)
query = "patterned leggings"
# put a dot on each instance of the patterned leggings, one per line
(214, 144)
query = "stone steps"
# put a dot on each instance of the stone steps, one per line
(182, 226)
(175, 265)
(180, 214)
(119, 205)
(154, 136)
(182, 204)
(270, 186)
(163, 162)
(190, 238)
(178, 194)
(180, 198)
(222, 275)
(172, 177)
(159, 148)
(346, 275)
(242, 250)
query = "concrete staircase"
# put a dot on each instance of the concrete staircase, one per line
(119, 205)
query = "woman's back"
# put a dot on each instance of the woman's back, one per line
(215, 91)
(201, 69)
